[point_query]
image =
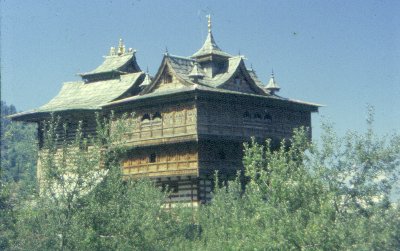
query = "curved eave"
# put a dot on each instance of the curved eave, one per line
(35, 116)
(78, 96)
(199, 91)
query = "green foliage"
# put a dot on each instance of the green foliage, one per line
(84, 202)
(18, 149)
(334, 195)
(17, 170)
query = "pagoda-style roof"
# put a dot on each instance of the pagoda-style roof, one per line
(82, 96)
(115, 64)
(210, 47)
(111, 63)
(183, 70)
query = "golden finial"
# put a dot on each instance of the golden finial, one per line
(121, 47)
(209, 23)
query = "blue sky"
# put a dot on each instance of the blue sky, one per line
(343, 54)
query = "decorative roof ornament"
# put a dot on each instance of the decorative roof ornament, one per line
(196, 74)
(210, 47)
(272, 86)
(121, 47)
(209, 23)
(112, 51)
(166, 51)
(147, 80)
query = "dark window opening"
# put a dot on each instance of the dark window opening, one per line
(157, 115)
(146, 116)
(257, 116)
(167, 78)
(152, 158)
(246, 115)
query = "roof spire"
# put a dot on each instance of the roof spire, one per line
(209, 23)
(210, 47)
(272, 86)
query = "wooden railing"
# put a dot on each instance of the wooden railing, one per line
(155, 134)
(184, 167)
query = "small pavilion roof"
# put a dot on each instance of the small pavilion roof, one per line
(210, 47)
(272, 86)
(111, 63)
(121, 62)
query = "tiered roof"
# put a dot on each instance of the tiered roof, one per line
(117, 77)
(119, 80)
(183, 69)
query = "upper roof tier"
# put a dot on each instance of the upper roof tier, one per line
(210, 47)
(116, 63)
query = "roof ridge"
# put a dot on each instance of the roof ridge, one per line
(181, 57)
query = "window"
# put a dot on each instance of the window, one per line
(146, 116)
(167, 78)
(152, 158)
(156, 115)
(246, 115)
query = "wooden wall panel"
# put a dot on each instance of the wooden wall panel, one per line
(242, 121)
(168, 160)
(176, 123)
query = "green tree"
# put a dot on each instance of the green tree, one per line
(304, 196)
(84, 202)
(18, 148)
(17, 170)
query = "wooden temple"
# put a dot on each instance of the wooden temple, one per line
(190, 119)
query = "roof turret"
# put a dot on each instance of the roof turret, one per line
(147, 80)
(272, 86)
(210, 47)
(196, 74)
(118, 62)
